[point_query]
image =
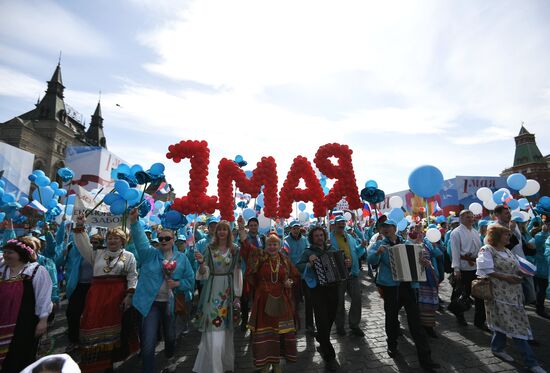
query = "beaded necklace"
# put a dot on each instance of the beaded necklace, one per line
(108, 259)
(274, 271)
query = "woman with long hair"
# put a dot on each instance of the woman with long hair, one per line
(25, 290)
(103, 340)
(220, 268)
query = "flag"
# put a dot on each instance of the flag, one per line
(38, 206)
(286, 247)
(163, 188)
(437, 208)
(526, 267)
(366, 209)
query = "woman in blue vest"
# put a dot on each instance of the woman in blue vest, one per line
(154, 296)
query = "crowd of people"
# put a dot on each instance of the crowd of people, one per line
(129, 288)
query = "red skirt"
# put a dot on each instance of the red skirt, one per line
(105, 330)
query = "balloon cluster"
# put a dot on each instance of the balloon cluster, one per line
(240, 161)
(48, 193)
(135, 175)
(265, 174)
(301, 169)
(66, 174)
(345, 185)
(199, 155)
(8, 205)
(172, 219)
(371, 193)
(543, 206)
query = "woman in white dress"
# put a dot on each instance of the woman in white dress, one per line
(506, 315)
(220, 268)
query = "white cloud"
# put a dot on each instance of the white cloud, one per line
(46, 26)
(17, 84)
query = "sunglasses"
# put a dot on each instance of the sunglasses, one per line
(164, 239)
(95, 242)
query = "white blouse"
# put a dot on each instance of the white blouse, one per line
(106, 262)
(484, 261)
(237, 277)
(41, 283)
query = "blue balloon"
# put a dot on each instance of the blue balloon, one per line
(70, 209)
(159, 205)
(23, 201)
(371, 184)
(110, 198)
(402, 225)
(248, 174)
(52, 203)
(157, 169)
(8, 198)
(54, 184)
(513, 204)
(516, 181)
(135, 168)
(2, 183)
(123, 169)
(32, 177)
(154, 219)
(238, 158)
(302, 206)
(260, 200)
(71, 199)
(46, 193)
(523, 203)
(1, 192)
(38, 173)
(66, 174)
(121, 186)
(544, 201)
(500, 196)
(131, 194)
(249, 213)
(61, 192)
(118, 207)
(426, 181)
(396, 214)
(173, 218)
(42, 181)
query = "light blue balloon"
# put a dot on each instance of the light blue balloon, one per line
(135, 168)
(500, 196)
(426, 181)
(516, 181)
(38, 173)
(544, 201)
(131, 194)
(157, 169)
(2, 183)
(513, 204)
(249, 213)
(260, 200)
(71, 199)
(70, 209)
(110, 198)
(23, 201)
(248, 174)
(371, 184)
(159, 205)
(239, 158)
(52, 203)
(523, 203)
(60, 192)
(396, 214)
(46, 193)
(402, 225)
(54, 185)
(121, 186)
(302, 206)
(42, 181)
(1, 192)
(8, 198)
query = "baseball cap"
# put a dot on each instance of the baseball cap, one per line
(390, 222)
(295, 223)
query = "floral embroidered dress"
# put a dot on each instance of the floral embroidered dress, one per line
(215, 310)
(505, 312)
(273, 337)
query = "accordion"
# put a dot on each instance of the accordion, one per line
(331, 268)
(405, 263)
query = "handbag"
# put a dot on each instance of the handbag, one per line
(482, 288)
(274, 306)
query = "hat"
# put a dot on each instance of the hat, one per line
(381, 220)
(331, 222)
(147, 230)
(432, 226)
(181, 237)
(340, 219)
(482, 223)
(155, 240)
(390, 222)
(212, 219)
(252, 219)
(36, 231)
(295, 223)
(42, 238)
(455, 220)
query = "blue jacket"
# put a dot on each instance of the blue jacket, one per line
(151, 275)
(540, 260)
(357, 251)
(296, 247)
(201, 245)
(52, 271)
(384, 276)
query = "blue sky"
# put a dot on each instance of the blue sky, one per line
(403, 83)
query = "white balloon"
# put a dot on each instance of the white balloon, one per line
(303, 216)
(475, 208)
(347, 215)
(396, 202)
(409, 218)
(532, 187)
(489, 205)
(433, 235)
(526, 216)
(484, 194)
(263, 222)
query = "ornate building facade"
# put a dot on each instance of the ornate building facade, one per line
(47, 130)
(529, 161)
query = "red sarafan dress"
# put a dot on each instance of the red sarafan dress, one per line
(272, 337)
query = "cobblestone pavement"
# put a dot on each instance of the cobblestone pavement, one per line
(458, 349)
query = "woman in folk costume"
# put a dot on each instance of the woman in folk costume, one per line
(506, 316)
(220, 298)
(272, 320)
(103, 338)
(25, 290)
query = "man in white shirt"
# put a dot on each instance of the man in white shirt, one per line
(465, 245)
(504, 218)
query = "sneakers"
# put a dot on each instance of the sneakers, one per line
(504, 356)
(537, 369)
